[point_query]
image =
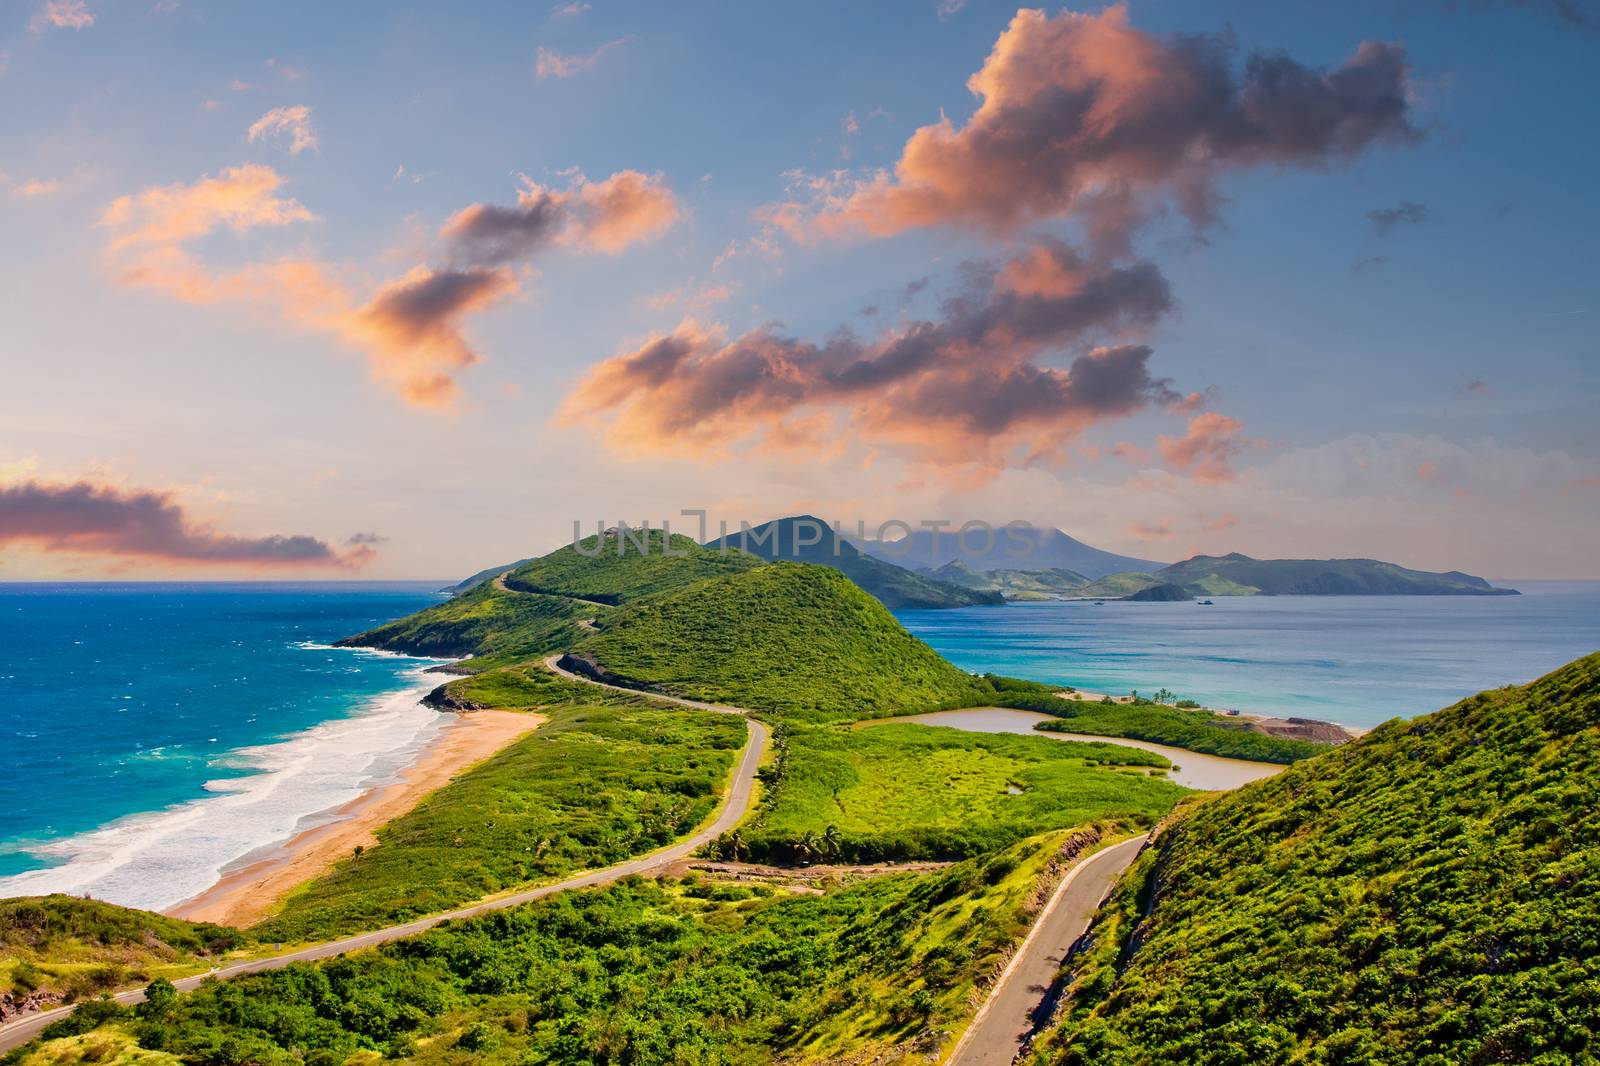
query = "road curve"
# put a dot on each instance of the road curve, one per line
(735, 805)
(1004, 1021)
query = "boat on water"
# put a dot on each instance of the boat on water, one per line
(1205, 603)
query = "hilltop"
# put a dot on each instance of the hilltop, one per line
(808, 539)
(1240, 575)
(786, 637)
(1428, 893)
(1023, 548)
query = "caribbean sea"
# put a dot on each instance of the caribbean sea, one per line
(1355, 660)
(152, 734)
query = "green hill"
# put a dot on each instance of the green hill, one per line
(484, 621)
(1053, 583)
(1429, 893)
(808, 539)
(480, 577)
(546, 604)
(61, 949)
(786, 637)
(1119, 586)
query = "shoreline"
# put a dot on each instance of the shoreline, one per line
(246, 894)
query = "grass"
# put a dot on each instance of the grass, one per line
(794, 639)
(614, 570)
(593, 786)
(906, 791)
(1429, 893)
(486, 621)
(642, 972)
(1194, 730)
(60, 949)
(530, 687)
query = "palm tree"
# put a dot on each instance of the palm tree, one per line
(832, 842)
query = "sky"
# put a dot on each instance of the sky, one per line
(401, 291)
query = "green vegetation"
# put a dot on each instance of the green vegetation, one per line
(1049, 584)
(612, 569)
(486, 621)
(59, 949)
(481, 576)
(907, 791)
(591, 787)
(1196, 730)
(1240, 575)
(1429, 893)
(798, 640)
(529, 687)
(808, 539)
(640, 973)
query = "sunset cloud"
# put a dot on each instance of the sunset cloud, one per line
(966, 389)
(61, 14)
(412, 328)
(1085, 116)
(99, 520)
(291, 122)
(1206, 451)
(604, 216)
(550, 63)
(34, 188)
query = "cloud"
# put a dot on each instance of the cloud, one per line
(1475, 385)
(552, 64)
(1361, 266)
(568, 11)
(1220, 523)
(966, 389)
(1086, 116)
(949, 8)
(371, 540)
(35, 187)
(1149, 530)
(603, 216)
(691, 298)
(88, 519)
(1406, 213)
(61, 14)
(412, 328)
(1206, 450)
(295, 122)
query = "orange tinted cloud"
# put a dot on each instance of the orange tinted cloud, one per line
(1220, 523)
(1085, 115)
(61, 14)
(965, 389)
(1205, 451)
(1149, 530)
(293, 122)
(88, 519)
(552, 64)
(412, 328)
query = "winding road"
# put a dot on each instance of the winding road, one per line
(994, 1038)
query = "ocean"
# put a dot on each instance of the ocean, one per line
(152, 734)
(1355, 660)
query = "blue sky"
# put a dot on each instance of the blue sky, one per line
(1423, 394)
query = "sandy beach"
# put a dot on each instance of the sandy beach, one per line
(244, 896)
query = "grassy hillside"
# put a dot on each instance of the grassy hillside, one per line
(612, 569)
(791, 638)
(904, 791)
(640, 973)
(1116, 586)
(1323, 577)
(528, 687)
(591, 787)
(485, 621)
(792, 539)
(1429, 893)
(59, 949)
(1048, 584)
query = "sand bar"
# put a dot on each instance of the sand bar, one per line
(244, 896)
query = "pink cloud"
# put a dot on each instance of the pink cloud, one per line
(1149, 530)
(550, 63)
(1206, 450)
(87, 519)
(61, 14)
(1084, 115)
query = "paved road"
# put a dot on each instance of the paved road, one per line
(734, 807)
(1006, 1018)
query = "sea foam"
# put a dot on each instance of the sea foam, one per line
(157, 860)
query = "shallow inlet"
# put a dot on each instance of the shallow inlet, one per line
(1194, 770)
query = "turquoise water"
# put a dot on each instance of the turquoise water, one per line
(1356, 660)
(150, 734)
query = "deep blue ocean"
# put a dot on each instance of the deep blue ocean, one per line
(177, 727)
(1356, 660)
